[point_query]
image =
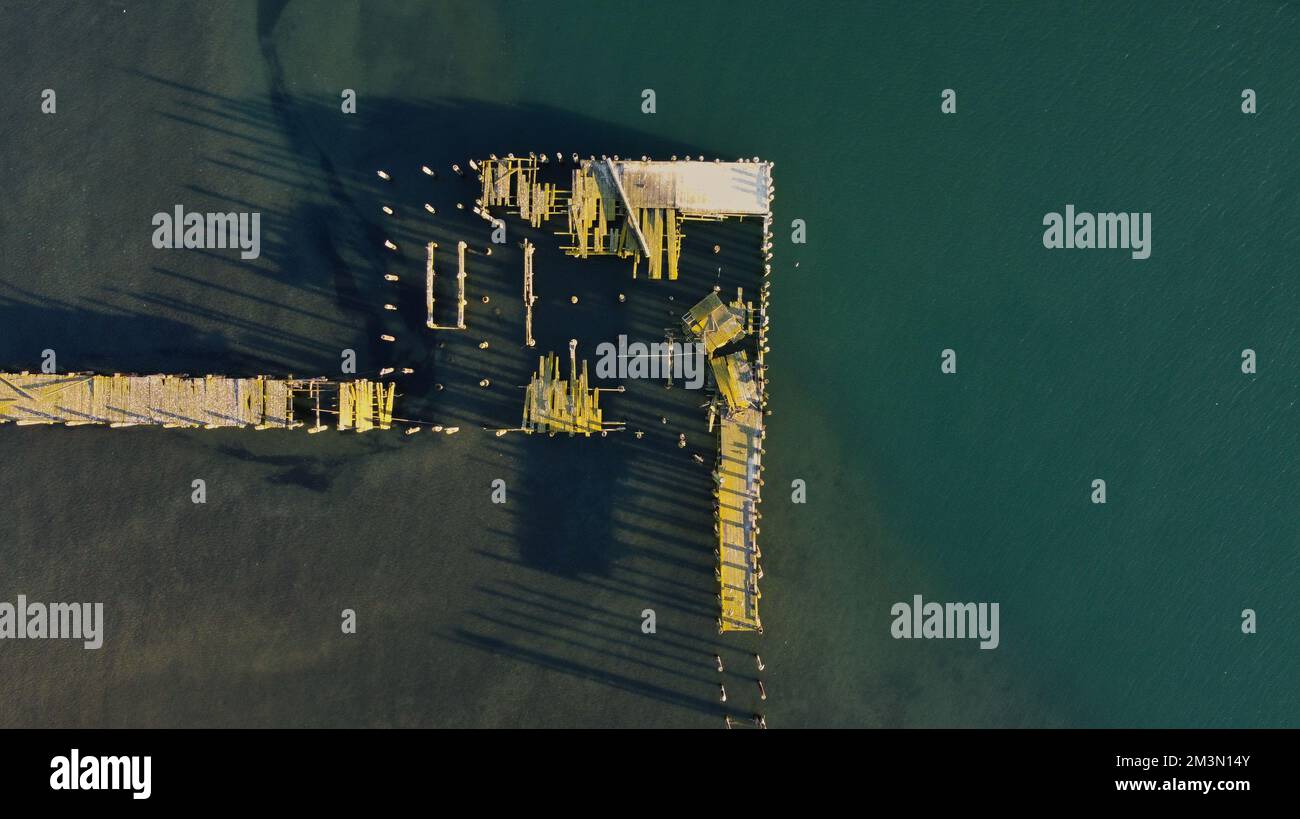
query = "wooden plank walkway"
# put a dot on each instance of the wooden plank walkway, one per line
(737, 498)
(206, 402)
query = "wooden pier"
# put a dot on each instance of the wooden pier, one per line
(737, 477)
(636, 209)
(204, 402)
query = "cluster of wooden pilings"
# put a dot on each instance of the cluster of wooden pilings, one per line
(554, 404)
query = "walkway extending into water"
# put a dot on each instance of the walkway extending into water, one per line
(739, 459)
(207, 402)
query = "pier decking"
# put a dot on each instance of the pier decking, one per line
(738, 474)
(739, 464)
(206, 402)
(708, 190)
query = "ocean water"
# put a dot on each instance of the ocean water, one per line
(923, 234)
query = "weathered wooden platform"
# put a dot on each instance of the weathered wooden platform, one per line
(207, 402)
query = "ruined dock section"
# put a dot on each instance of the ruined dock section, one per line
(205, 402)
(738, 474)
(638, 209)
(554, 404)
(737, 477)
(627, 208)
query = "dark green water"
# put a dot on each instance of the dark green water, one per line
(924, 233)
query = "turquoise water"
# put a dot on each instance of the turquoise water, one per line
(924, 233)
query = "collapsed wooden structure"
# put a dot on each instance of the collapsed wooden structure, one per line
(637, 209)
(555, 404)
(628, 208)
